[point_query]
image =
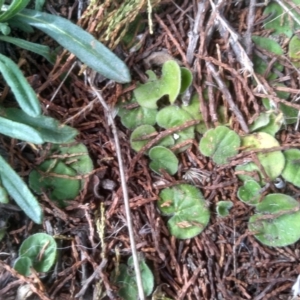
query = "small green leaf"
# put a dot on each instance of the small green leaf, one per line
(5, 29)
(260, 66)
(60, 189)
(137, 138)
(249, 171)
(186, 205)
(249, 192)
(134, 117)
(276, 223)
(294, 54)
(169, 84)
(280, 21)
(22, 265)
(291, 171)
(268, 122)
(48, 129)
(262, 140)
(126, 280)
(12, 9)
(223, 208)
(262, 120)
(186, 79)
(20, 131)
(75, 156)
(163, 158)
(172, 116)
(19, 191)
(33, 47)
(40, 249)
(79, 42)
(220, 144)
(290, 114)
(20, 87)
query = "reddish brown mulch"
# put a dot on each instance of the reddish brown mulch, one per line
(223, 262)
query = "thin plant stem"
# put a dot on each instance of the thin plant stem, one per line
(111, 122)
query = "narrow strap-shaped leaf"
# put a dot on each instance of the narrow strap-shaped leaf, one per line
(13, 8)
(48, 128)
(79, 42)
(20, 87)
(33, 47)
(20, 131)
(19, 191)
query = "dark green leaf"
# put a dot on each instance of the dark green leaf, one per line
(19, 191)
(33, 47)
(49, 129)
(13, 9)
(79, 42)
(20, 87)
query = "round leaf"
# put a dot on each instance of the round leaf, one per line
(127, 282)
(22, 265)
(60, 188)
(249, 192)
(262, 140)
(163, 158)
(186, 205)
(276, 222)
(137, 138)
(223, 208)
(220, 144)
(132, 118)
(40, 248)
(294, 47)
(173, 116)
(291, 171)
(76, 157)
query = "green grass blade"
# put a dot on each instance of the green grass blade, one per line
(20, 131)
(13, 9)
(49, 129)
(79, 42)
(19, 191)
(20, 87)
(33, 47)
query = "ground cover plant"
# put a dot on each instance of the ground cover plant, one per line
(209, 138)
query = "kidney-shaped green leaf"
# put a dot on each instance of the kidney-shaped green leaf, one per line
(163, 158)
(79, 42)
(186, 205)
(223, 208)
(169, 84)
(273, 162)
(126, 280)
(22, 265)
(60, 189)
(41, 249)
(220, 144)
(291, 171)
(249, 192)
(276, 222)
(172, 116)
